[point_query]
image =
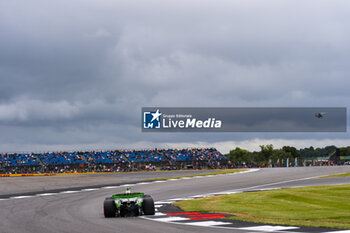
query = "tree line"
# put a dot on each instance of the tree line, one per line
(268, 155)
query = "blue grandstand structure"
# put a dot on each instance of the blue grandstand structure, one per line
(61, 158)
(106, 157)
(15, 160)
(114, 160)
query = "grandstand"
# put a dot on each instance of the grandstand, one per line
(116, 160)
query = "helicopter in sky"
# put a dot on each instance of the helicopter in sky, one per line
(320, 115)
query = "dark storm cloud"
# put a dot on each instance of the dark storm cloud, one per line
(79, 72)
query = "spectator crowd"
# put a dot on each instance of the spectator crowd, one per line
(116, 160)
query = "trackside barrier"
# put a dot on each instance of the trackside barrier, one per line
(55, 174)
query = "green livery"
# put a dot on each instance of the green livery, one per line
(128, 204)
(127, 195)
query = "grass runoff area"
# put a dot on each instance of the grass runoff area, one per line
(215, 172)
(337, 175)
(316, 206)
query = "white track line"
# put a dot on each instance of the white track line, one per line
(171, 219)
(20, 197)
(163, 202)
(268, 189)
(110, 187)
(225, 193)
(202, 195)
(198, 177)
(280, 182)
(86, 190)
(69, 192)
(45, 194)
(208, 223)
(267, 228)
(179, 199)
(127, 185)
(159, 214)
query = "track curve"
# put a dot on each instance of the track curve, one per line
(82, 211)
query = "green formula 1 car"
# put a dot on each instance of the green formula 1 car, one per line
(128, 204)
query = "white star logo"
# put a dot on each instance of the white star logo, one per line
(156, 115)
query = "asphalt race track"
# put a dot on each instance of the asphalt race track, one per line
(80, 210)
(10, 185)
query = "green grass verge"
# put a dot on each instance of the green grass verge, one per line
(337, 175)
(316, 206)
(215, 172)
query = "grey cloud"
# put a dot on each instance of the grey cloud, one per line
(79, 72)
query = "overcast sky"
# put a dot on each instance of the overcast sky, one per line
(75, 74)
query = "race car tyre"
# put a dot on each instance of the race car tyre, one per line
(148, 205)
(109, 208)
